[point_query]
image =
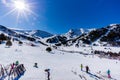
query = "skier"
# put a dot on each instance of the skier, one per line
(48, 73)
(11, 70)
(15, 72)
(17, 63)
(2, 71)
(108, 72)
(81, 66)
(6, 70)
(18, 71)
(23, 68)
(87, 69)
(35, 65)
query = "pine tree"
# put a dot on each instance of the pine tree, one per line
(48, 49)
(20, 42)
(8, 43)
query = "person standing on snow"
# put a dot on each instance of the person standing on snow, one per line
(48, 73)
(81, 66)
(11, 69)
(36, 65)
(2, 71)
(87, 69)
(108, 72)
(17, 63)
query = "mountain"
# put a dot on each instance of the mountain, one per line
(6, 30)
(113, 33)
(40, 33)
(58, 62)
(35, 33)
(109, 35)
(106, 36)
(73, 33)
(56, 39)
(61, 60)
(31, 35)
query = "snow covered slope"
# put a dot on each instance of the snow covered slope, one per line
(106, 36)
(30, 35)
(35, 33)
(6, 30)
(63, 61)
(62, 65)
(73, 33)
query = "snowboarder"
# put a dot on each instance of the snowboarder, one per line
(108, 72)
(87, 69)
(81, 66)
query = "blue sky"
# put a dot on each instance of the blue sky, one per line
(58, 16)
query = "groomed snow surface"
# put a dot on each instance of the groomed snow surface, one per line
(62, 65)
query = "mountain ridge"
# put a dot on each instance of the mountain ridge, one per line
(107, 35)
(38, 33)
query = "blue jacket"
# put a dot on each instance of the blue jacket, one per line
(108, 72)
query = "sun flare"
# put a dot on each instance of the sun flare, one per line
(20, 5)
(22, 9)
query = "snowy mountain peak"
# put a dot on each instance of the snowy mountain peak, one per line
(6, 30)
(73, 33)
(113, 24)
(3, 28)
(40, 33)
(76, 31)
(34, 33)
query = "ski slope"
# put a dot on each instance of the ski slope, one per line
(88, 49)
(61, 64)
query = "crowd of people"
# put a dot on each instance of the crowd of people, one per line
(12, 71)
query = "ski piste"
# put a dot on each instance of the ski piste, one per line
(104, 76)
(94, 76)
(81, 76)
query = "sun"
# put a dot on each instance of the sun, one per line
(22, 9)
(20, 5)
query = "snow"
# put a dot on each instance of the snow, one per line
(40, 33)
(31, 33)
(60, 63)
(63, 64)
(88, 49)
(113, 24)
(73, 33)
